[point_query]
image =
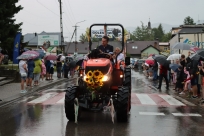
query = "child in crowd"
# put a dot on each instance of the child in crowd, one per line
(43, 72)
(51, 69)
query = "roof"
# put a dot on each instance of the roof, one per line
(83, 47)
(149, 47)
(191, 30)
(137, 46)
(28, 37)
(33, 40)
(192, 26)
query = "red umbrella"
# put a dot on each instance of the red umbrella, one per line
(51, 57)
(149, 61)
(194, 49)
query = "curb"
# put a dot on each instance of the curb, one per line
(16, 98)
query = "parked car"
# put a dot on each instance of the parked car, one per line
(138, 63)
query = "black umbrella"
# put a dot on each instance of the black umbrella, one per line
(79, 63)
(200, 52)
(72, 64)
(161, 60)
(196, 57)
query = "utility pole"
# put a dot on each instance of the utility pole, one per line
(76, 34)
(61, 25)
(75, 38)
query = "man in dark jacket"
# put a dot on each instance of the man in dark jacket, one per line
(163, 74)
(105, 47)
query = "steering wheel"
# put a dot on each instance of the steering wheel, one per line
(104, 55)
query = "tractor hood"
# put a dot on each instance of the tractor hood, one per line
(98, 62)
(102, 64)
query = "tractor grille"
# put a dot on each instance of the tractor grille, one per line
(103, 69)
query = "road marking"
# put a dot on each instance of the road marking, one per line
(152, 113)
(171, 100)
(54, 99)
(61, 101)
(145, 99)
(187, 114)
(42, 98)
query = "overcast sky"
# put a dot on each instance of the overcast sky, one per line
(43, 15)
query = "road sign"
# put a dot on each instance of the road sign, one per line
(53, 39)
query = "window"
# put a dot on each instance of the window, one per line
(134, 47)
(165, 48)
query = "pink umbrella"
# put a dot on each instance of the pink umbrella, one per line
(194, 49)
(51, 57)
(31, 53)
(149, 61)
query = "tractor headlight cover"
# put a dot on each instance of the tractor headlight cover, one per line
(105, 78)
(84, 78)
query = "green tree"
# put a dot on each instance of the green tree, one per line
(166, 37)
(83, 38)
(158, 32)
(8, 27)
(142, 33)
(188, 21)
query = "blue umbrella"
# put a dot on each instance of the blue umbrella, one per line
(41, 54)
(174, 67)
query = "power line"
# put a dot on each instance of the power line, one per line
(69, 19)
(47, 24)
(47, 8)
(71, 13)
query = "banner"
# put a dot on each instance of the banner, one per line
(16, 48)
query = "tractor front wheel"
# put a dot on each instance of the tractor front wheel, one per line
(123, 104)
(69, 103)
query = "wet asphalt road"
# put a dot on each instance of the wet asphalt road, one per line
(150, 115)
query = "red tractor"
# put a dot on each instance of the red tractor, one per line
(101, 80)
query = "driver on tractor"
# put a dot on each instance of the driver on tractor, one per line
(105, 47)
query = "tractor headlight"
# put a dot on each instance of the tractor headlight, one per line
(84, 78)
(105, 78)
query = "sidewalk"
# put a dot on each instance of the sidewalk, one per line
(11, 91)
(184, 98)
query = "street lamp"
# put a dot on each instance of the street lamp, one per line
(76, 34)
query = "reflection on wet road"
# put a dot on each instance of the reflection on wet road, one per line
(153, 113)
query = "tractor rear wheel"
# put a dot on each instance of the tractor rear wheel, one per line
(69, 103)
(123, 104)
(127, 83)
(127, 75)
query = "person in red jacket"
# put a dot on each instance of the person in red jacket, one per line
(163, 74)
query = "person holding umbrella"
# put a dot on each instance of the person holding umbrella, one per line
(37, 71)
(23, 72)
(31, 66)
(59, 66)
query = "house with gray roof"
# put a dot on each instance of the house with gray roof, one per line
(190, 34)
(134, 48)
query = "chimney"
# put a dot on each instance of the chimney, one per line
(156, 44)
